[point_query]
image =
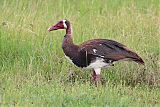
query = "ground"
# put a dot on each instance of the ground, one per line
(35, 73)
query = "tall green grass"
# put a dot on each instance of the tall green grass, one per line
(34, 71)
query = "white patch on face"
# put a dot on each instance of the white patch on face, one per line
(64, 24)
(97, 71)
(98, 63)
(94, 50)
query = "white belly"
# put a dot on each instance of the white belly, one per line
(98, 63)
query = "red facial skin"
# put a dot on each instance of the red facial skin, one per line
(59, 25)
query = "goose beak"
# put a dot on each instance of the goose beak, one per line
(52, 28)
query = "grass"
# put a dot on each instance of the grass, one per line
(34, 72)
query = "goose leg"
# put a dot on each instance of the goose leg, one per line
(96, 75)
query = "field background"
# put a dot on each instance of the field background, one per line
(35, 73)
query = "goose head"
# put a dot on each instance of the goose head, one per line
(63, 24)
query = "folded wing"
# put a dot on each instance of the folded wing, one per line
(109, 50)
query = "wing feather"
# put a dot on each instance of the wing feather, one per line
(108, 49)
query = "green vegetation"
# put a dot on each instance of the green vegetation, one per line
(34, 71)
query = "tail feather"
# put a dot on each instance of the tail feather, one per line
(139, 61)
(134, 56)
